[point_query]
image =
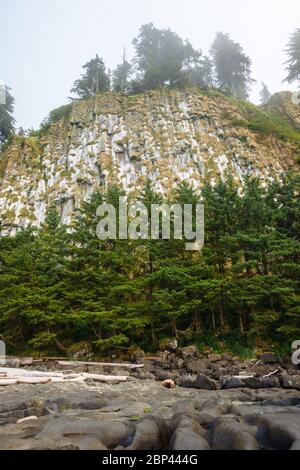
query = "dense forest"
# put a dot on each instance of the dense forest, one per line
(241, 292)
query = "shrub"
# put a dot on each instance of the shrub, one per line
(59, 113)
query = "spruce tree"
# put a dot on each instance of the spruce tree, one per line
(93, 80)
(232, 66)
(7, 121)
(265, 94)
(293, 62)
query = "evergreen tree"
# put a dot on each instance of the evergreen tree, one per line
(7, 121)
(265, 94)
(161, 57)
(293, 62)
(59, 286)
(93, 80)
(121, 76)
(202, 73)
(232, 66)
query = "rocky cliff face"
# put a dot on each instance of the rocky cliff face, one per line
(167, 136)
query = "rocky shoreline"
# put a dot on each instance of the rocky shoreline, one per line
(208, 402)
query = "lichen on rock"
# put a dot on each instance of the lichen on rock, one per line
(165, 136)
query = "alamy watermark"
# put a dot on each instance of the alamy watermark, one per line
(161, 222)
(296, 353)
(2, 93)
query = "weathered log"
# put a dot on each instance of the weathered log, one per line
(8, 382)
(271, 374)
(10, 371)
(11, 376)
(100, 364)
(33, 380)
(29, 418)
(105, 378)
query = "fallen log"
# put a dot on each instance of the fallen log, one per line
(105, 378)
(29, 418)
(11, 371)
(100, 364)
(8, 382)
(12, 376)
(34, 380)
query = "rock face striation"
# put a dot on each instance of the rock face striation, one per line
(164, 136)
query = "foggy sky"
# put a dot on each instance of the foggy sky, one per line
(44, 43)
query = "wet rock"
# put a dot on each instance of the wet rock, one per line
(196, 367)
(143, 375)
(278, 430)
(199, 381)
(185, 439)
(231, 382)
(214, 357)
(230, 434)
(147, 436)
(270, 382)
(288, 381)
(165, 375)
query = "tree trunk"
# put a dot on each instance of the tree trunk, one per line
(213, 319)
(197, 322)
(222, 308)
(153, 337)
(60, 346)
(241, 322)
(174, 328)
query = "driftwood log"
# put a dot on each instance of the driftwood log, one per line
(11, 376)
(100, 364)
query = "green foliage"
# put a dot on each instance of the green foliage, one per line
(293, 62)
(121, 76)
(42, 339)
(230, 343)
(240, 293)
(162, 58)
(273, 124)
(112, 341)
(266, 121)
(93, 80)
(7, 121)
(232, 66)
(59, 113)
(265, 95)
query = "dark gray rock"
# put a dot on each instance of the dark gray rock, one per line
(278, 430)
(185, 439)
(296, 445)
(268, 358)
(195, 367)
(165, 375)
(290, 381)
(231, 382)
(199, 381)
(230, 434)
(189, 352)
(147, 436)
